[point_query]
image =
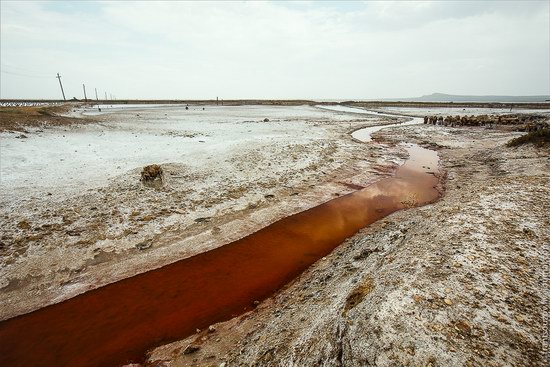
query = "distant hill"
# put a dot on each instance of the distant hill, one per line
(441, 97)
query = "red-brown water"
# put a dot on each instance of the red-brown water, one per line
(118, 323)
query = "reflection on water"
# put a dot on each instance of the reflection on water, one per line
(364, 134)
(120, 322)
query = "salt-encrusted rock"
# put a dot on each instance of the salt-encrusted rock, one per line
(152, 176)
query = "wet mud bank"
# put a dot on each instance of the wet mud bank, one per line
(459, 282)
(120, 322)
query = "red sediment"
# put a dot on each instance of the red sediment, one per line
(118, 323)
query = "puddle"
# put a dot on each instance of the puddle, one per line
(118, 323)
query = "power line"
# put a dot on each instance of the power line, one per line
(25, 75)
(17, 67)
(24, 71)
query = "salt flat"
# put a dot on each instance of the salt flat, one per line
(70, 159)
(75, 214)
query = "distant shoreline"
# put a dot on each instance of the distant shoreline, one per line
(295, 102)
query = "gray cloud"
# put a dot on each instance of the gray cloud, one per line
(274, 50)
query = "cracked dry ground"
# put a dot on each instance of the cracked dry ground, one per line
(455, 283)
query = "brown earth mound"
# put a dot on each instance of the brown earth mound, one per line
(152, 176)
(19, 118)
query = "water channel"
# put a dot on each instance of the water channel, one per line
(118, 323)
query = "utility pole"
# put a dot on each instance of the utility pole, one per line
(217, 101)
(97, 99)
(85, 98)
(105, 95)
(61, 85)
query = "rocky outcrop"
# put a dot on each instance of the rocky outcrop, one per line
(519, 122)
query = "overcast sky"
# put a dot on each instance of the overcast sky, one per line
(312, 50)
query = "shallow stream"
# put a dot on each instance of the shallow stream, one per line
(119, 322)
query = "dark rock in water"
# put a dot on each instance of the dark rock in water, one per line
(152, 176)
(266, 120)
